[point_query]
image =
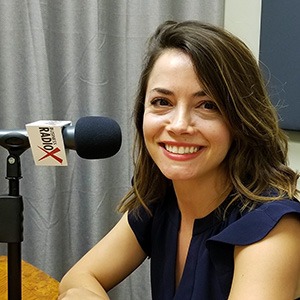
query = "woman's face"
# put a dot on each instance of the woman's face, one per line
(184, 131)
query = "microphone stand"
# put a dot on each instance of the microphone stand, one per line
(11, 214)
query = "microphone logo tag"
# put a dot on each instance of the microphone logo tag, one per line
(46, 142)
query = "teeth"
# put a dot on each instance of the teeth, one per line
(181, 149)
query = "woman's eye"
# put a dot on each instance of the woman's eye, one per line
(160, 102)
(209, 105)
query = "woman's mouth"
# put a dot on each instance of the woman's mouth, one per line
(181, 149)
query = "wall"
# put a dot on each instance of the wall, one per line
(294, 151)
(242, 17)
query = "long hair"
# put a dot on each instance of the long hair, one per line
(257, 159)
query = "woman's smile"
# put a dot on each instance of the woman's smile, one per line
(181, 149)
(180, 152)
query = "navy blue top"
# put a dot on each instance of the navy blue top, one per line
(208, 271)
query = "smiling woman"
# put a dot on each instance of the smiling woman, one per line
(213, 202)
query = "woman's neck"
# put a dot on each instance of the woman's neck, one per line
(196, 199)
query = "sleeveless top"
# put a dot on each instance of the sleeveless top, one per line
(208, 270)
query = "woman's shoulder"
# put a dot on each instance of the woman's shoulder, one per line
(253, 225)
(144, 221)
(272, 211)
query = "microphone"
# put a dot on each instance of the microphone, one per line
(93, 137)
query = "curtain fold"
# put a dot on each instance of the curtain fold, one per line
(61, 60)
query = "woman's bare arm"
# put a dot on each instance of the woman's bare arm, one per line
(270, 268)
(105, 265)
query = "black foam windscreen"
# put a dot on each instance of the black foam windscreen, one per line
(97, 137)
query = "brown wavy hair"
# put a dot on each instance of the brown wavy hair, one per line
(230, 74)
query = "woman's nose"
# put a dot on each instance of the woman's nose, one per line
(180, 122)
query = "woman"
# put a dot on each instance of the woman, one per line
(213, 200)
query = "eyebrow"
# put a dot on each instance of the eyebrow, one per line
(162, 91)
(167, 92)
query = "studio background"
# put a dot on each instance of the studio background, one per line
(62, 60)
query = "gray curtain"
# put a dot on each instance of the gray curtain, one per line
(61, 60)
